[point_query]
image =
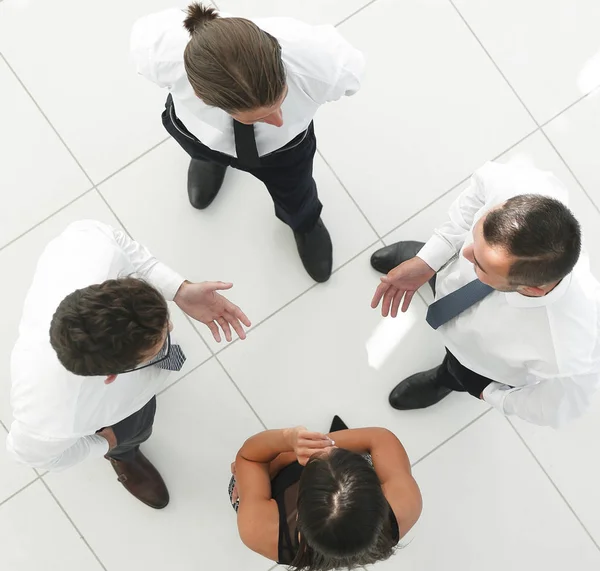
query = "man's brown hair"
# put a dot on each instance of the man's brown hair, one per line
(231, 63)
(108, 328)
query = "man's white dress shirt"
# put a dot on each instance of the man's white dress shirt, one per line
(57, 413)
(321, 66)
(543, 352)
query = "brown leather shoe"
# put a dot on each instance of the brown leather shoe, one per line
(142, 480)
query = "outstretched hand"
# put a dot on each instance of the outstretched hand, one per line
(400, 285)
(202, 302)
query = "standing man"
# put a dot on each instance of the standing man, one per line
(243, 94)
(94, 348)
(516, 304)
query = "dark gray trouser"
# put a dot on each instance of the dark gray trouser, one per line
(132, 431)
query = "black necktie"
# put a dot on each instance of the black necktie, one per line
(453, 304)
(245, 144)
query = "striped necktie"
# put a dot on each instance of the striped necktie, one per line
(174, 361)
(453, 304)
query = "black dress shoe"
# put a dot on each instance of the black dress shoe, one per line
(419, 391)
(315, 251)
(386, 259)
(204, 182)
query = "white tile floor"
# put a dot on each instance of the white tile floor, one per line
(450, 84)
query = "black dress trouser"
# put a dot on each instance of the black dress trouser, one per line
(132, 431)
(286, 172)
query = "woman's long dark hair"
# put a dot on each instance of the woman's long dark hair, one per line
(343, 516)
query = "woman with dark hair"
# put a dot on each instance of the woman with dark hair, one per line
(317, 502)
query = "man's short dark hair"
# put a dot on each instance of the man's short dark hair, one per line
(541, 232)
(108, 328)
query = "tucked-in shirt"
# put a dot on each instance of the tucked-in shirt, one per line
(57, 413)
(543, 353)
(320, 66)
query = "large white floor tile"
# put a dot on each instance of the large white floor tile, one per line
(238, 238)
(19, 260)
(487, 505)
(548, 50)
(200, 425)
(12, 476)
(432, 108)
(329, 353)
(37, 535)
(576, 135)
(38, 176)
(570, 457)
(312, 11)
(534, 151)
(73, 57)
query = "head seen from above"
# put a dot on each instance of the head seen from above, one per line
(110, 328)
(528, 245)
(234, 65)
(343, 515)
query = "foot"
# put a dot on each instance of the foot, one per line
(386, 259)
(315, 251)
(204, 182)
(337, 424)
(419, 391)
(142, 480)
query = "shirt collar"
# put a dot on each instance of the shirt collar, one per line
(518, 300)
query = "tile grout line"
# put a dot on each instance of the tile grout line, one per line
(131, 162)
(451, 437)
(348, 192)
(540, 127)
(554, 484)
(39, 108)
(47, 218)
(20, 489)
(288, 303)
(454, 187)
(81, 536)
(487, 53)
(162, 391)
(240, 392)
(355, 13)
(545, 123)
(570, 170)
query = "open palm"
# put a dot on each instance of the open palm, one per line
(202, 302)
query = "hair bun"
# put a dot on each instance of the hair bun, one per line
(197, 16)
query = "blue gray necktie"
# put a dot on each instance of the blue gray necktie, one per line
(174, 361)
(453, 304)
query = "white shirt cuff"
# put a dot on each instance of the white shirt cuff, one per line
(98, 446)
(436, 252)
(166, 280)
(495, 394)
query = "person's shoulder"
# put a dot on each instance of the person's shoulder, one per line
(157, 44)
(515, 178)
(314, 50)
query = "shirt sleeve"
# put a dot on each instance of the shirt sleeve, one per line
(46, 454)
(351, 68)
(549, 402)
(145, 265)
(448, 239)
